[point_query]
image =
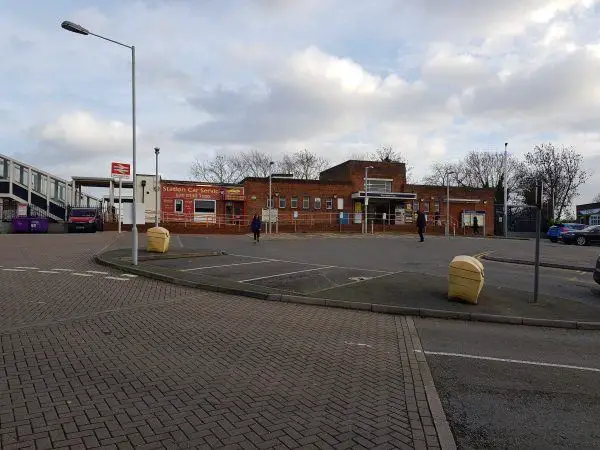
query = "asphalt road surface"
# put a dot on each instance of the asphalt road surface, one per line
(541, 391)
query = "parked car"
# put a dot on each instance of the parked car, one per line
(597, 271)
(85, 219)
(555, 231)
(589, 235)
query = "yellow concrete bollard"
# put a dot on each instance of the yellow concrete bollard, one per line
(158, 239)
(465, 279)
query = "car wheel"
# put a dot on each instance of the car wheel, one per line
(581, 240)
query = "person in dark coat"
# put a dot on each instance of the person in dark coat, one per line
(421, 222)
(255, 226)
(475, 225)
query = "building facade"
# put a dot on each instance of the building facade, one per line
(588, 213)
(389, 199)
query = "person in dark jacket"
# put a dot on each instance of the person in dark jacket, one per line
(255, 226)
(475, 225)
(421, 222)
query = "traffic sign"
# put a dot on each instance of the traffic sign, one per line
(120, 170)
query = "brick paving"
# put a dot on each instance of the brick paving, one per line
(143, 364)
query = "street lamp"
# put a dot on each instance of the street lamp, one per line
(75, 28)
(505, 171)
(156, 188)
(451, 172)
(269, 203)
(366, 225)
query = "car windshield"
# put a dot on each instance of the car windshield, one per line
(83, 213)
(592, 228)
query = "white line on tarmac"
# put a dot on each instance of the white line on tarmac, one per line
(514, 361)
(117, 278)
(14, 270)
(63, 270)
(179, 241)
(47, 271)
(83, 274)
(354, 282)
(97, 272)
(128, 275)
(26, 267)
(308, 264)
(284, 274)
(226, 265)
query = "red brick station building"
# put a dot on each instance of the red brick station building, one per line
(334, 202)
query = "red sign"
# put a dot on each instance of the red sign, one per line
(177, 199)
(120, 170)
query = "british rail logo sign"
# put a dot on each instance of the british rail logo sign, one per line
(120, 170)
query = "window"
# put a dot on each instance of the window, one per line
(595, 219)
(436, 207)
(317, 203)
(340, 203)
(294, 202)
(415, 206)
(179, 206)
(204, 206)
(269, 203)
(282, 202)
(306, 202)
(329, 203)
(426, 206)
(377, 185)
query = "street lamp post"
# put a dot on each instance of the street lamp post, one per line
(365, 224)
(505, 171)
(156, 188)
(448, 203)
(269, 203)
(75, 28)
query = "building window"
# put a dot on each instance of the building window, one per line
(329, 203)
(306, 202)
(204, 206)
(436, 207)
(317, 203)
(379, 185)
(294, 202)
(282, 202)
(426, 206)
(179, 206)
(269, 203)
(595, 219)
(415, 206)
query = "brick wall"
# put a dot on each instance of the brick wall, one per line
(354, 171)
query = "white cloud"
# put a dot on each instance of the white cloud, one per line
(434, 79)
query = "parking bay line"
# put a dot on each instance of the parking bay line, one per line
(225, 265)
(353, 282)
(309, 264)
(507, 360)
(284, 274)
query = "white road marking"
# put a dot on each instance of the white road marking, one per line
(354, 282)
(117, 278)
(82, 274)
(514, 361)
(225, 265)
(179, 241)
(14, 270)
(63, 270)
(26, 267)
(47, 271)
(97, 272)
(128, 275)
(358, 344)
(308, 264)
(284, 274)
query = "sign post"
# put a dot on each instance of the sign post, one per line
(119, 171)
(538, 223)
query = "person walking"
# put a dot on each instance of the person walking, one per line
(255, 227)
(421, 222)
(475, 226)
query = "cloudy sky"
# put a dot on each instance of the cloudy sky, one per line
(432, 78)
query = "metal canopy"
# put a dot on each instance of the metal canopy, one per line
(100, 182)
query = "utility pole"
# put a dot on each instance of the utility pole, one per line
(505, 218)
(156, 188)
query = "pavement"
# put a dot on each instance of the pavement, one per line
(95, 357)
(382, 273)
(515, 387)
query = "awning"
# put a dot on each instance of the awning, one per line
(588, 212)
(386, 195)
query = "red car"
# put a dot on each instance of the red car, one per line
(85, 219)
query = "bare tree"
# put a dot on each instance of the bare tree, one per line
(438, 174)
(596, 199)
(255, 163)
(303, 164)
(561, 171)
(220, 169)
